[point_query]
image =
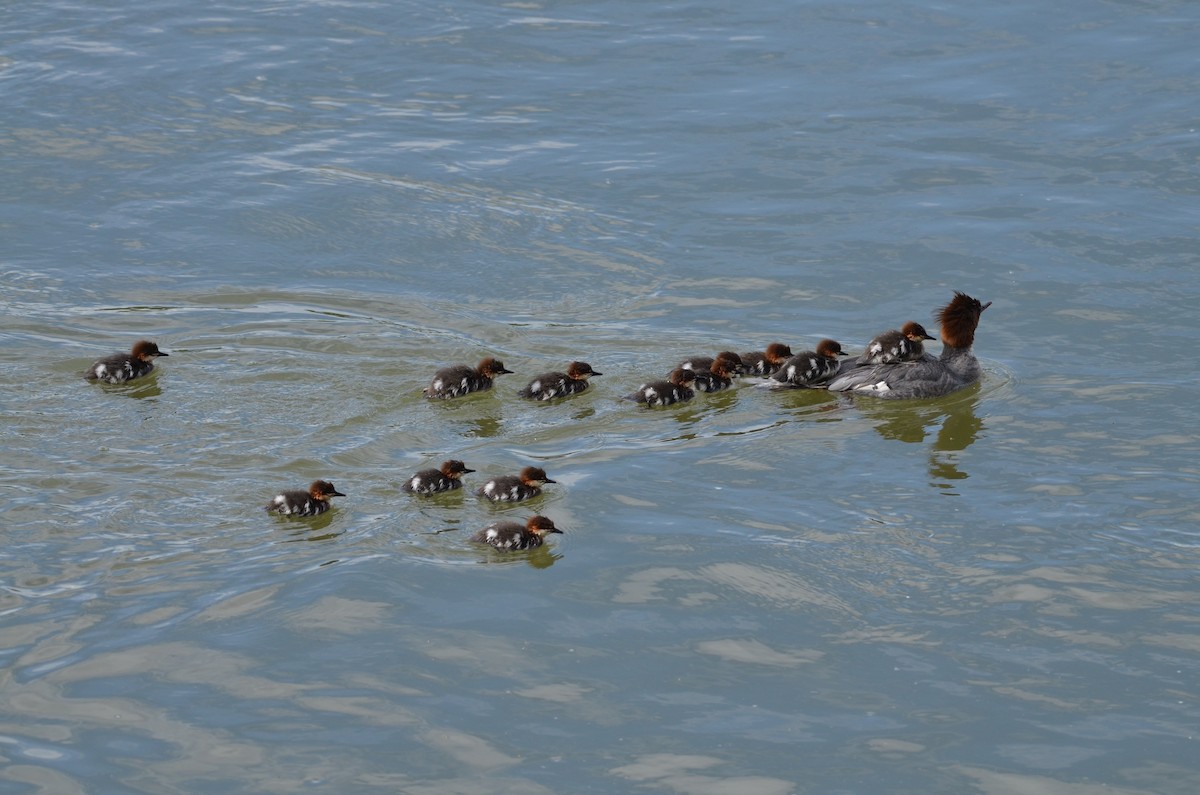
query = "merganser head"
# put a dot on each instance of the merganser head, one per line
(541, 526)
(730, 364)
(830, 349)
(322, 490)
(534, 476)
(915, 332)
(145, 350)
(722, 368)
(777, 352)
(681, 377)
(490, 367)
(959, 319)
(454, 468)
(580, 371)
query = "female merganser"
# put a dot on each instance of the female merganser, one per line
(513, 488)
(903, 345)
(459, 379)
(506, 536)
(929, 377)
(556, 384)
(305, 503)
(767, 362)
(811, 368)
(432, 481)
(702, 363)
(719, 375)
(122, 367)
(664, 393)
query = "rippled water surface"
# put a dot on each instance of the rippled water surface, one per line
(314, 205)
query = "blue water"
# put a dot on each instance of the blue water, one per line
(313, 206)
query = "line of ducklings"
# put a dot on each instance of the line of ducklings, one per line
(524, 485)
(777, 364)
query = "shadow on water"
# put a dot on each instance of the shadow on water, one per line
(958, 426)
(802, 400)
(539, 558)
(485, 425)
(140, 389)
(309, 528)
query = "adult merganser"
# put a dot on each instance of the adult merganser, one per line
(956, 368)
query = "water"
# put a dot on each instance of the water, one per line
(312, 206)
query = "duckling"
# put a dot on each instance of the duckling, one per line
(514, 488)
(507, 536)
(305, 503)
(460, 379)
(122, 367)
(432, 481)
